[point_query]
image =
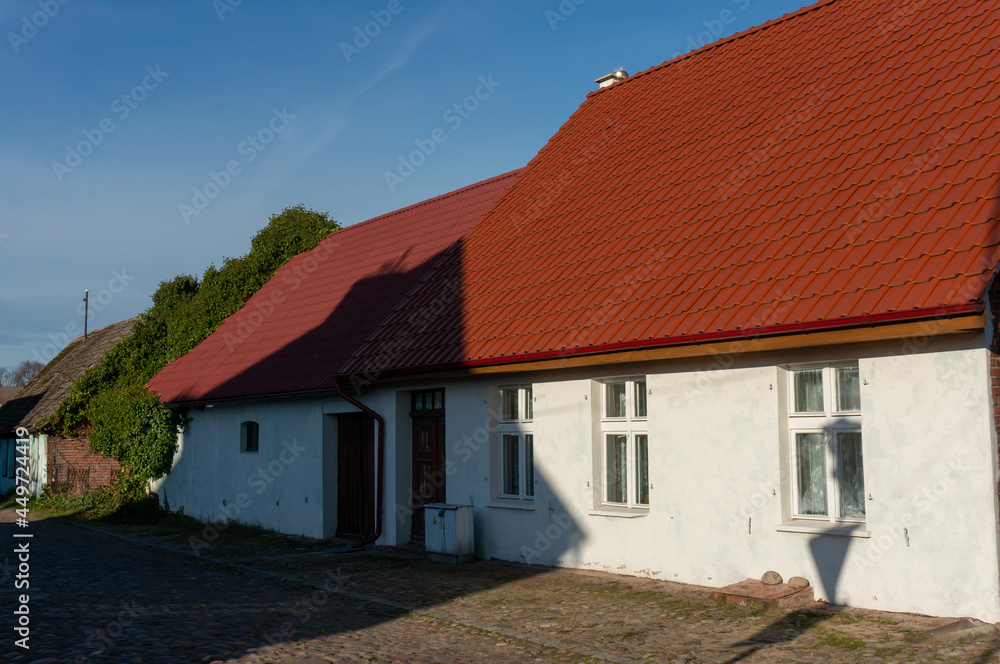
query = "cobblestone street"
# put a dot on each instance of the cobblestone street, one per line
(99, 595)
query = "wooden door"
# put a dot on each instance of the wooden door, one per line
(428, 455)
(355, 475)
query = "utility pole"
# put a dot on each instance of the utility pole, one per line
(86, 300)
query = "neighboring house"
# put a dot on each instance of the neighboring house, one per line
(736, 315)
(7, 393)
(65, 463)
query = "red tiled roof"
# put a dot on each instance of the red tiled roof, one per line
(834, 167)
(297, 332)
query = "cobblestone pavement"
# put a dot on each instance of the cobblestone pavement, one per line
(139, 594)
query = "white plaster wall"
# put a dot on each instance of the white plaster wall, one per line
(279, 487)
(715, 428)
(716, 497)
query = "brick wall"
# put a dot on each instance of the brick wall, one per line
(73, 467)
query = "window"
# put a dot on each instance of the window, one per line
(249, 436)
(624, 443)
(516, 458)
(429, 402)
(825, 443)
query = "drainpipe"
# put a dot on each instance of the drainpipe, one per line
(380, 472)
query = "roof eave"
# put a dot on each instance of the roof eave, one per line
(937, 321)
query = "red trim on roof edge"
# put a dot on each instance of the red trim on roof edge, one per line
(772, 331)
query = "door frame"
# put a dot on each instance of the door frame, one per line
(426, 407)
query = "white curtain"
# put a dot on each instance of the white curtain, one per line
(617, 468)
(848, 389)
(811, 454)
(809, 391)
(852, 474)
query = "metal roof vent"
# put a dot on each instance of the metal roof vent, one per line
(613, 77)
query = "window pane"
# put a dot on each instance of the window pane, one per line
(529, 464)
(852, 474)
(511, 477)
(808, 391)
(614, 399)
(439, 400)
(640, 398)
(617, 468)
(811, 456)
(508, 403)
(529, 409)
(642, 470)
(248, 436)
(848, 389)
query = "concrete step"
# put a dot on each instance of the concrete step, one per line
(752, 592)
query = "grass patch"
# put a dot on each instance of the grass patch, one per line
(842, 641)
(846, 618)
(804, 620)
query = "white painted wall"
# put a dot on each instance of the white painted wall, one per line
(715, 467)
(279, 487)
(718, 496)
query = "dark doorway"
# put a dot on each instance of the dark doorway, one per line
(427, 412)
(355, 475)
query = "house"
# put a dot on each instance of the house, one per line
(66, 463)
(7, 393)
(737, 315)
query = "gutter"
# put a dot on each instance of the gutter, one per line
(380, 472)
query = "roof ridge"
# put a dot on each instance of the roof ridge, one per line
(429, 201)
(721, 42)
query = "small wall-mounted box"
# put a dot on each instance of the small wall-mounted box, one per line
(448, 534)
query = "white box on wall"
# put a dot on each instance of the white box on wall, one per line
(448, 533)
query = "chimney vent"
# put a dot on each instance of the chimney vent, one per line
(613, 77)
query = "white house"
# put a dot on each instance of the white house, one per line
(736, 315)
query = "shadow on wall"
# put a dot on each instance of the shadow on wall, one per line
(840, 489)
(368, 316)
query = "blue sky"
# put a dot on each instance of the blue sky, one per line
(143, 140)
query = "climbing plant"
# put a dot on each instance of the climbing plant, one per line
(110, 402)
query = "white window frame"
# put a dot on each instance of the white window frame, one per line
(631, 425)
(518, 426)
(830, 423)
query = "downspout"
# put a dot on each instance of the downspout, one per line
(380, 472)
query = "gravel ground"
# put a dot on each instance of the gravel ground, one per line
(129, 594)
